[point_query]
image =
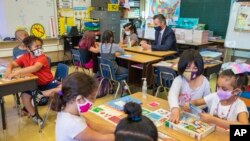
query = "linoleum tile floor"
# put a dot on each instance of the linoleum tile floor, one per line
(24, 129)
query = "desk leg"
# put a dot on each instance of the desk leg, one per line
(3, 113)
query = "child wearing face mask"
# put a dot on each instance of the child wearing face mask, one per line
(130, 33)
(225, 107)
(77, 96)
(189, 85)
(34, 62)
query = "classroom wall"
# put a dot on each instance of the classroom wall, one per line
(213, 13)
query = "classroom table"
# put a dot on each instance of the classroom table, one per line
(19, 84)
(218, 135)
(146, 62)
(138, 49)
(211, 66)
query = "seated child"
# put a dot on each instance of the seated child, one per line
(135, 127)
(130, 33)
(34, 62)
(108, 51)
(225, 107)
(77, 96)
(88, 43)
(189, 85)
(19, 50)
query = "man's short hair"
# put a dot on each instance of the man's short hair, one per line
(19, 31)
(160, 17)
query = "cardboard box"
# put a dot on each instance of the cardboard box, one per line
(200, 36)
(191, 126)
(183, 35)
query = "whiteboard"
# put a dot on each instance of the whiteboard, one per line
(24, 13)
(236, 39)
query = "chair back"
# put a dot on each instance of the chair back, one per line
(106, 68)
(76, 58)
(245, 96)
(49, 61)
(62, 70)
(165, 76)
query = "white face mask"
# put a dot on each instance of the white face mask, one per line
(127, 33)
(37, 52)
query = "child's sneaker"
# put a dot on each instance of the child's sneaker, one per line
(38, 120)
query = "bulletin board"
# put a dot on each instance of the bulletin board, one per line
(238, 31)
(16, 14)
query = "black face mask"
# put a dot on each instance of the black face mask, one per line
(157, 28)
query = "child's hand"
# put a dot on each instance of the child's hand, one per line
(175, 115)
(206, 117)
(13, 74)
(186, 107)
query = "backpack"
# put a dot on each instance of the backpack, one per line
(105, 87)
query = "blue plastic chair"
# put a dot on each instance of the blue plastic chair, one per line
(108, 72)
(164, 79)
(245, 96)
(62, 71)
(80, 58)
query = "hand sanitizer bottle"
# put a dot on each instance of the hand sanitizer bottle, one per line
(144, 88)
(129, 42)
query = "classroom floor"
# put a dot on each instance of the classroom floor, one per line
(23, 128)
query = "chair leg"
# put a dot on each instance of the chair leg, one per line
(17, 100)
(157, 92)
(47, 112)
(127, 87)
(117, 89)
(99, 86)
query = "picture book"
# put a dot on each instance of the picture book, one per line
(108, 113)
(120, 102)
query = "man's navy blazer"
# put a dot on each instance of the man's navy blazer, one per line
(168, 41)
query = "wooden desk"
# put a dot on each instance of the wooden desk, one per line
(8, 87)
(209, 68)
(139, 49)
(217, 135)
(145, 60)
(194, 44)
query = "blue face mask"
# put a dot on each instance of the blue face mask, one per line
(157, 28)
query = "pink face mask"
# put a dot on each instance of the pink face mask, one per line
(82, 108)
(223, 95)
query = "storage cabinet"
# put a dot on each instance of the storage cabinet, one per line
(108, 21)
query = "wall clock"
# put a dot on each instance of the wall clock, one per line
(37, 30)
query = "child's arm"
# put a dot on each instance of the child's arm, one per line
(197, 102)
(9, 69)
(173, 96)
(242, 119)
(31, 69)
(94, 49)
(89, 134)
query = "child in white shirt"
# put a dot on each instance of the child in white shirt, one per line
(77, 96)
(225, 107)
(189, 85)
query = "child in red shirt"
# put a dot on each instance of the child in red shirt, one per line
(34, 62)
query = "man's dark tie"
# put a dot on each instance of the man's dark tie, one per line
(159, 39)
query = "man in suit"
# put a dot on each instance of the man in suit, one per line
(164, 36)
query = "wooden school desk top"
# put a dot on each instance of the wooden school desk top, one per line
(194, 44)
(217, 135)
(139, 58)
(139, 49)
(20, 79)
(208, 62)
